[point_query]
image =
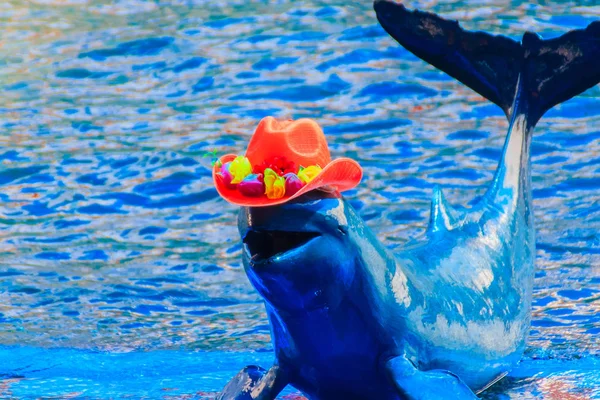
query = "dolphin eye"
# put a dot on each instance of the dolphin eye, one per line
(266, 244)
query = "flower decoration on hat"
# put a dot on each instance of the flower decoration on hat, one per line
(284, 159)
(274, 179)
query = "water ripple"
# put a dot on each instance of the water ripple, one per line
(112, 235)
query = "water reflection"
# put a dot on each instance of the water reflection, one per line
(112, 236)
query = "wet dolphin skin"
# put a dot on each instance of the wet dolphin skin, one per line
(448, 315)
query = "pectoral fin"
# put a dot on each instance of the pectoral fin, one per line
(414, 384)
(254, 383)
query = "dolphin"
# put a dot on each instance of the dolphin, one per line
(448, 315)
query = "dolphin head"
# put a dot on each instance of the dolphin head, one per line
(300, 256)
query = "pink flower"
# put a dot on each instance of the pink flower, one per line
(292, 183)
(226, 176)
(252, 185)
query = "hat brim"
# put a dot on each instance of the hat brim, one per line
(341, 174)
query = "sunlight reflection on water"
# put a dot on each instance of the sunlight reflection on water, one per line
(112, 235)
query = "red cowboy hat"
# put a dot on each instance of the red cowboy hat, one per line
(284, 147)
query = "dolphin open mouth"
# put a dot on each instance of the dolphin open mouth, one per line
(262, 245)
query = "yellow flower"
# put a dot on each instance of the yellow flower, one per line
(274, 184)
(309, 173)
(240, 168)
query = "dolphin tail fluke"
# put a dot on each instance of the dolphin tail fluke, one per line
(557, 69)
(537, 73)
(487, 64)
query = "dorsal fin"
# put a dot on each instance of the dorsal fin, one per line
(442, 216)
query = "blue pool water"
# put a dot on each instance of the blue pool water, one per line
(120, 272)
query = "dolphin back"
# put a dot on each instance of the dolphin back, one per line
(535, 73)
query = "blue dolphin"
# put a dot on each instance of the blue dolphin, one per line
(448, 315)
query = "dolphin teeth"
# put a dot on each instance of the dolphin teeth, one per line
(442, 215)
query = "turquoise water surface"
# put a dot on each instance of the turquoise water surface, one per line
(120, 272)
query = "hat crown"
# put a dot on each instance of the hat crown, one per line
(301, 141)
